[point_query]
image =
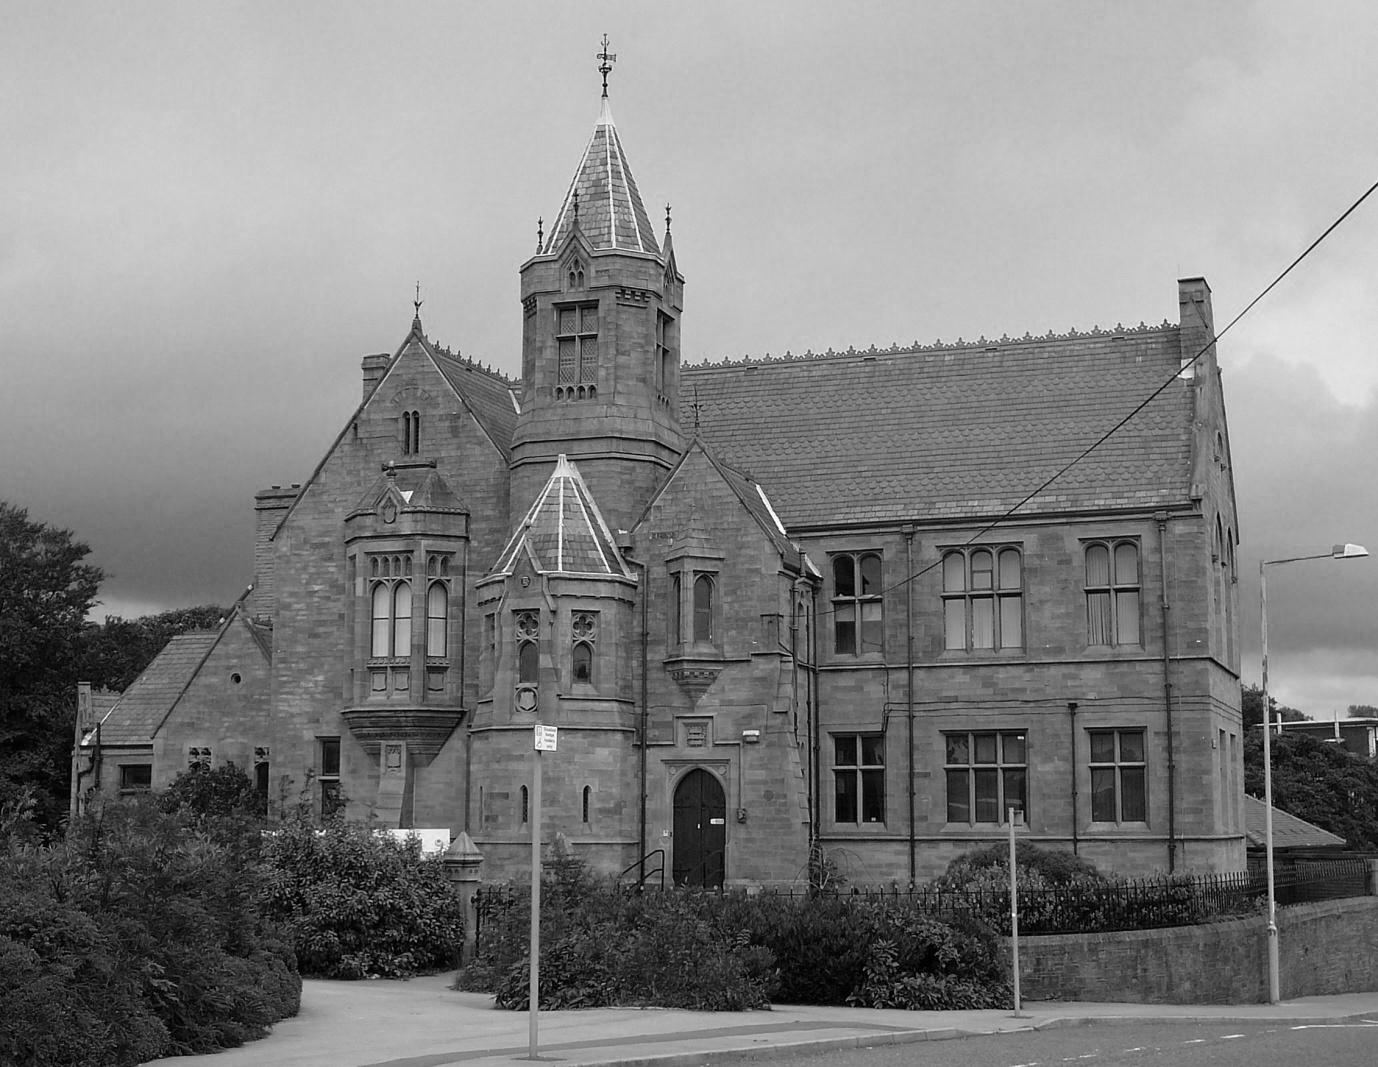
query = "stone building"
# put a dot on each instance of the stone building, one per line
(849, 607)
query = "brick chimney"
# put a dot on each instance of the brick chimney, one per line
(270, 505)
(1196, 318)
(374, 366)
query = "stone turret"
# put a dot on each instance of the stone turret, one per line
(601, 302)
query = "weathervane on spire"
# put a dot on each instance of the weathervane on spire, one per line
(608, 59)
(418, 301)
(695, 406)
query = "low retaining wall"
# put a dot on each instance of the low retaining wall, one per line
(1330, 947)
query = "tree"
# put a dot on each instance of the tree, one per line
(1363, 711)
(116, 651)
(1318, 781)
(1251, 703)
(45, 592)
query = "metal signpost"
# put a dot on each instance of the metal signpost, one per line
(544, 740)
(1013, 814)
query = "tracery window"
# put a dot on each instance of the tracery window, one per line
(858, 624)
(983, 598)
(528, 646)
(1112, 593)
(437, 620)
(390, 599)
(585, 627)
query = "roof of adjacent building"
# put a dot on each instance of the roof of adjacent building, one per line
(953, 431)
(564, 532)
(1288, 830)
(136, 716)
(603, 197)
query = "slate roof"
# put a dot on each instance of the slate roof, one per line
(421, 488)
(564, 532)
(487, 394)
(952, 432)
(1288, 830)
(610, 212)
(133, 720)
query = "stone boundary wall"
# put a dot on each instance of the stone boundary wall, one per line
(1329, 947)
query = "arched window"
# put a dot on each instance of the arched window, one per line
(437, 619)
(401, 619)
(528, 662)
(983, 598)
(703, 608)
(858, 624)
(588, 791)
(585, 629)
(676, 611)
(1112, 593)
(411, 432)
(382, 618)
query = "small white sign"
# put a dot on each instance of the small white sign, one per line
(545, 738)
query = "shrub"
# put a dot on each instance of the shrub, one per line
(359, 904)
(134, 938)
(1043, 867)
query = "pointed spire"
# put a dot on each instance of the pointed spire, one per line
(603, 195)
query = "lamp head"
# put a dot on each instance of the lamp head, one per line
(1348, 551)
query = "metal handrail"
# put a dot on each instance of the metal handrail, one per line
(645, 871)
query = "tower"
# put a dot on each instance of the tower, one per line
(601, 304)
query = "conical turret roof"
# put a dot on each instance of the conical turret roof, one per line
(563, 532)
(604, 198)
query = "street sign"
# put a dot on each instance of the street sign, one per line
(545, 738)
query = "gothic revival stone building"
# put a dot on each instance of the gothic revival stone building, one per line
(854, 605)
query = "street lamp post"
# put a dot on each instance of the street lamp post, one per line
(1338, 552)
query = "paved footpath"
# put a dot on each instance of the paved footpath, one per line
(423, 1023)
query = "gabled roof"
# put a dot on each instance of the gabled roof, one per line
(751, 495)
(421, 488)
(564, 532)
(953, 432)
(604, 197)
(1288, 830)
(144, 705)
(487, 395)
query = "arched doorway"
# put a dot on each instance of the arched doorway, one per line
(700, 840)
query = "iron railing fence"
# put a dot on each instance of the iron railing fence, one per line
(1091, 907)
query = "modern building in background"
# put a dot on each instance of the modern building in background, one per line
(843, 609)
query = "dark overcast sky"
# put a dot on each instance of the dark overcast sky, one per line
(212, 211)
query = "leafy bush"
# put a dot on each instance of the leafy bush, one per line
(136, 937)
(224, 793)
(989, 867)
(359, 904)
(729, 951)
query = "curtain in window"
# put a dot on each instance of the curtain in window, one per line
(382, 614)
(703, 608)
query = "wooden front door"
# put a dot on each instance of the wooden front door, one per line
(700, 831)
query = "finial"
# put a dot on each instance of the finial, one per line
(540, 234)
(695, 406)
(667, 216)
(604, 67)
(576, 206)
(418, 301)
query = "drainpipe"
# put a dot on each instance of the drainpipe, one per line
(1072, 718)
(1161, 519)
(909, 685)
(816, 718)
(645, 714)
(464, 678)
